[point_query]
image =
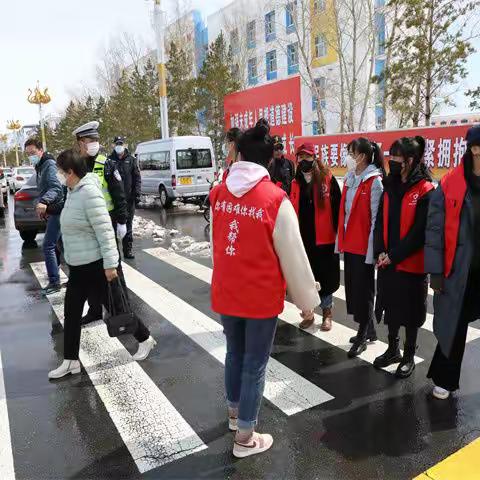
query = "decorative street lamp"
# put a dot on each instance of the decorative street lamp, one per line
(3, 141)
(40, 98)
(15, 126)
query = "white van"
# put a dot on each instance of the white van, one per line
(177, 168)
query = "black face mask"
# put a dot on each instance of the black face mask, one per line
(305, 165)
(395, 168)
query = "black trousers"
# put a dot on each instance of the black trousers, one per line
(88, 281)
(411, 333)
(128, 239)
(360, 292)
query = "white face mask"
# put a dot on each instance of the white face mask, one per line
(119, 149)
(351, 163)
(93, 148)
(62, 179)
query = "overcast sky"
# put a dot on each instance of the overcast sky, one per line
(58, 42)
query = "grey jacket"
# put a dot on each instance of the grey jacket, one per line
(50, 189)
(448, 303)
(87, 229)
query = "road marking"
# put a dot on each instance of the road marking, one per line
(7, 470)
(472, 332)
(289, 391)
(152, 429)
(339, 336)
(462, 464)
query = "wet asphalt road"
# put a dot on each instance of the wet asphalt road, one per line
(375, 427)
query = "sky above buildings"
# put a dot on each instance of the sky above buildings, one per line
(59, 42)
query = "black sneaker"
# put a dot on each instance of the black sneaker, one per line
(89, 318)
(129, 255)
(51, 288)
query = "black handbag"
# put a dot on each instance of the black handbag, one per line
(120, 319)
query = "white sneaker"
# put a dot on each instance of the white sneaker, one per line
(258, 443)
(144, 349)
(440, 393)
(67, 367)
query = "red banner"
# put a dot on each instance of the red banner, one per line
(278, 102)
(445, 146)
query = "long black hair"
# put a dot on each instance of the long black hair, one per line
(256, 144)
(370, 149)
(414, 148)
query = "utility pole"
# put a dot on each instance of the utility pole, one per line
(159, 21)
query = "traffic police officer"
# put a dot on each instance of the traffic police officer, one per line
(127, 166)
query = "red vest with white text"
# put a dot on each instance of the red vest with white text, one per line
(324, 230)
(354, 239)
(414, 263)
(247, 278)
(454, 188)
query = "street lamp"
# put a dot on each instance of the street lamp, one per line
(15, 126)
(40, 98)
(3, 141)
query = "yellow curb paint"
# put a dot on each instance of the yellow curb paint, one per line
(462, 465)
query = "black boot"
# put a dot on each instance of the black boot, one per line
(371, 335)
(91, 317)
(407, 365)
(391, 356)
(360, 343)
(128, 254)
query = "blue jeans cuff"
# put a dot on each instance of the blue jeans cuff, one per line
(246, 424)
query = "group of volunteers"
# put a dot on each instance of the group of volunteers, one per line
(88, 201)
(277, 226)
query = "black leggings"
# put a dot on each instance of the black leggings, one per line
(88, 281)
(411, 333)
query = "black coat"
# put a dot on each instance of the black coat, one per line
(401, 295)
(282, 171)
(324, 261)
(130, 173)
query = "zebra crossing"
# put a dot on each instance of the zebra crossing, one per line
(153, 427)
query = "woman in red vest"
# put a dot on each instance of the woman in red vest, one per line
(315, 195)
(254, 232)
(452, 257)
(398, 245)
(361, 195)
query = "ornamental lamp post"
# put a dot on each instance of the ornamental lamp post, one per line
(15, 126)
(3, 141)
(40, 98)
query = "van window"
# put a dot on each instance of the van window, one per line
(194, 158)
(154, 161)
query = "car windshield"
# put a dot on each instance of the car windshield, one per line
(25, 171)
(32, 181)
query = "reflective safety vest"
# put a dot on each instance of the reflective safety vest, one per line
(415, 262)
(99, 169)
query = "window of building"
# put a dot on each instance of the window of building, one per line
(235, 71)
(320, 46)
(234, 41)
(380, 25)
(292, 58)
(379, 116)
(464, 120)
(443, 122)
(271, 65)
(379, 3)
(320, 84)
(315, 127)
(252, 71)
(290, 14)
(251, 34)
(453, 122)
(319, 6)
(270, 26)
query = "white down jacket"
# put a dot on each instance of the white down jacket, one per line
(87, 229)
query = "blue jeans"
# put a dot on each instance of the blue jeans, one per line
(326, 301)
(249, 343)
(52, 235)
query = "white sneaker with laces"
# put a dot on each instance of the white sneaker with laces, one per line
(258, 443)
(440, 393)
(144, 349)
(67, 367)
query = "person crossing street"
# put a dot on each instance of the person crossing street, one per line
(127, 166)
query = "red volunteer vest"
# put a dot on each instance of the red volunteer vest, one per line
(414, 263)
(354, 239)
(247, 278)
(324, 231)
(454, 188)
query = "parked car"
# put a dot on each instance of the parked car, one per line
(26, 219)
(19, 177)
(3, 186)
(177, 168)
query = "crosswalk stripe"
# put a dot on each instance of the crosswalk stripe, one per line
(472, 332)
(289, 391)
(155, 435)
(339, 336)
(7, 471)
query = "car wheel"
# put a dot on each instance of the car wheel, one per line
(165, 200)
(28, 235)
